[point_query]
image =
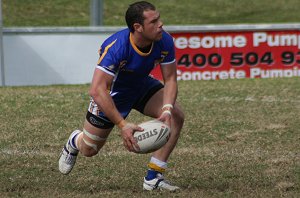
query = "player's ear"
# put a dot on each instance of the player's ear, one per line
(138, 27)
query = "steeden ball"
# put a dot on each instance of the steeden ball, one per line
(155, 135)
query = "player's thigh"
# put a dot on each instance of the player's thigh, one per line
(154, 104)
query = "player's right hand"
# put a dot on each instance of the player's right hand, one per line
(127, 132)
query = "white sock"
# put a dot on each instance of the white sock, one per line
(159, 163)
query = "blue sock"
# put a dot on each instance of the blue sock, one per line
(151, 174)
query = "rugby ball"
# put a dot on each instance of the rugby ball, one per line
(154, 136)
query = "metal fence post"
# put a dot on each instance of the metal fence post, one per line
(96, 12)
(2, 76)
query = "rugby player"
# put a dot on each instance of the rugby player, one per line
(121, 82)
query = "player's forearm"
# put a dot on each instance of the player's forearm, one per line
(170, 92)
(170, 83)
(106, 104)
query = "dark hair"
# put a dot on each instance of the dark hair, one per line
(134, 13)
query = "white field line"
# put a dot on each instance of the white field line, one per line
(16, 152)
(268, 99)
(203, 151)
(30, 153)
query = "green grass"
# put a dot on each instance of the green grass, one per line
(240, 139)
(188, 12)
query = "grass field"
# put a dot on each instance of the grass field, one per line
(173, 12)
(241, 139)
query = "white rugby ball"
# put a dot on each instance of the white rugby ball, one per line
(154, 136)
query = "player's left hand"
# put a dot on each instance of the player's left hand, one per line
(165, 118)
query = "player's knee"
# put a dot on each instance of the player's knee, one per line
(89, 152)
(178, 116)
(177, 124)
(91, 144)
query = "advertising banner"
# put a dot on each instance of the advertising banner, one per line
(236, 55)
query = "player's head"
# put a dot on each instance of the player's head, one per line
(143, 18)
(135, 13)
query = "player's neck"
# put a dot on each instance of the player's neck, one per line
(140, 41)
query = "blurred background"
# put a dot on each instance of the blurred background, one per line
(173, 12)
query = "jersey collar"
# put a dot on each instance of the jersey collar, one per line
(137, 49)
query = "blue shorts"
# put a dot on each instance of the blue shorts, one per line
(125, 101)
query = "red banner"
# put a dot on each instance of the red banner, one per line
(236, 55)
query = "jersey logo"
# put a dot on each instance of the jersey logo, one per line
(163, 55)
(122, 64)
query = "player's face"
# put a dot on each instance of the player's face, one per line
(152, 28)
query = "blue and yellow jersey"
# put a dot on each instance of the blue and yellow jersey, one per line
(121, 58)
